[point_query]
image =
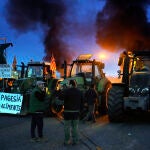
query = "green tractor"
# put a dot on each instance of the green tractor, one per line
(85, 71)
(133, 93)
(31, 73)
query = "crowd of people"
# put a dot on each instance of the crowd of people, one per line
(74, 101)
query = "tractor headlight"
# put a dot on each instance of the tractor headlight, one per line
(145, 91)
(131, 91)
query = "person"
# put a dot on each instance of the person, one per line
(57, 99)
(9, 86)
(73, 99)
(91, 97)
(36, 108)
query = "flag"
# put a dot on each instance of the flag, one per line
(52, 64)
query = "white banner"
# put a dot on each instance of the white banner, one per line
(10, 103)
(5, 71)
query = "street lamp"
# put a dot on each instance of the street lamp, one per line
(102, 56)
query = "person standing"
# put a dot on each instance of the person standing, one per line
(73, 99)
(91, 97)
(36, 108)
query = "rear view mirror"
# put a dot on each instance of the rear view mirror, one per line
(119, 74)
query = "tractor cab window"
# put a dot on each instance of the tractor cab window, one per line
(46, 70)
(79, 68)
(35, 71)
(142, 65)
(84, 70)
(97, 72)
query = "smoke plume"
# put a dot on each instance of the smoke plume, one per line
(123, 24)
(26, 15)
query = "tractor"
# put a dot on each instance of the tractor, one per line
(24, 85)
(23, 80)
(133, 93)
(85, 71)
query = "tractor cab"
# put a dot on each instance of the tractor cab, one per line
(89, 70)
(85, 71)
(39, 70)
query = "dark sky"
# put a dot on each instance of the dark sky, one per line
(69, 28)
(124, 24)
(60, 21)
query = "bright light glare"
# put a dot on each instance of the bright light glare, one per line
(102, 56)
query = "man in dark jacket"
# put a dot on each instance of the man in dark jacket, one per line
(36, 108)
(72, 103)
(91, 97)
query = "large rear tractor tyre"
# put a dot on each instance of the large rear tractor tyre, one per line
(105, 99)
(103, 106)
(115, 104)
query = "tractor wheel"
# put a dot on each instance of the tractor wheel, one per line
(115, 104)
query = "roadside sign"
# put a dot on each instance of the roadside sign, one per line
(5, 71)
(10, 103)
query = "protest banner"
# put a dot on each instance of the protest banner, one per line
(10, 103)
(5, 71)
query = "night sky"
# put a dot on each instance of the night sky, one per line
(68, 28)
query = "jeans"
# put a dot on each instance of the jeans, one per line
(91, 113)
(37, 121)
(71, 129)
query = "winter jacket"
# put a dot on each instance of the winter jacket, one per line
(91, 96)
(73, 100)
(36, 103)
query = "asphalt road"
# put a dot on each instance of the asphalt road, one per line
(133, 134)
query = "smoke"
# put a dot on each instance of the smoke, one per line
(29, 15)
(123, 24)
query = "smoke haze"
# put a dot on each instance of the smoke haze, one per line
(65, 24)
(29, 15)
(71, 27)
(123, 24)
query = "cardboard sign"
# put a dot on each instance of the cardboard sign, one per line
(10, 103)
(5, 71)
